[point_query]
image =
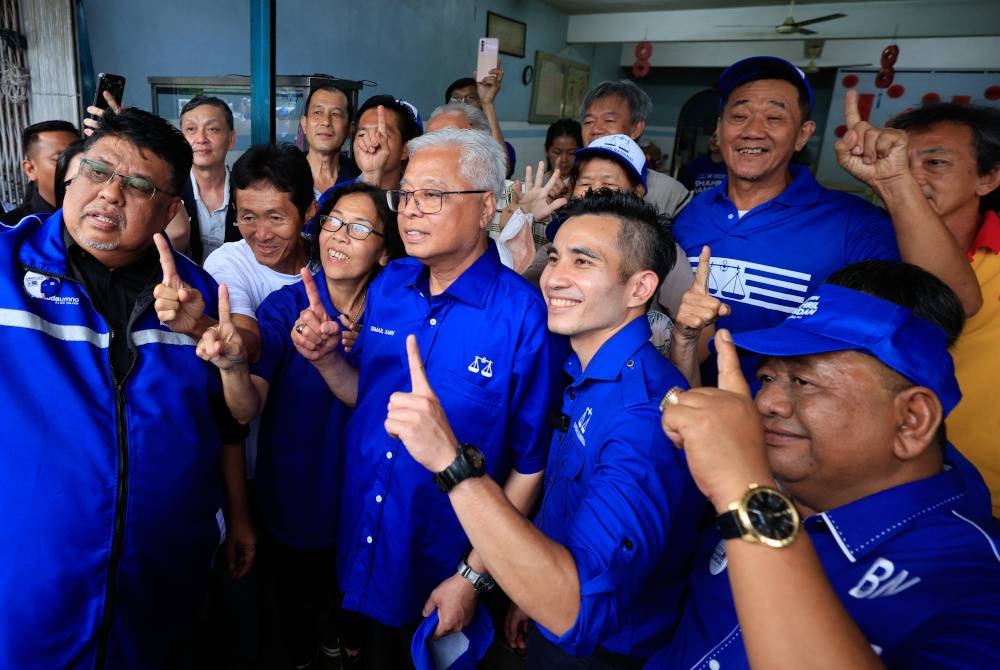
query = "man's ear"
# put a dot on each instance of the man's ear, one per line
(987, 182)
(918, 416)
(29, 169)
(311, 212)
(637, 130)
(805, 132)
(489, 209)
(643, 287)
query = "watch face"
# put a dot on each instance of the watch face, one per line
(771, 516)
(475, 458)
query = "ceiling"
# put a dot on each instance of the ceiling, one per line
(613, 6)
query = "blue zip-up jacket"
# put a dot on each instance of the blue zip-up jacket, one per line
(108, 488)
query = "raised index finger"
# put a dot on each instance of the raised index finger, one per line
(418, 377)
(380, 111)
(311, 291)
(852, 116)
(730, 374)
(167, 264)
(224, 315)
(704, 269)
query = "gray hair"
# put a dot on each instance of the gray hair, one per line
(482, 163)
(477, 120)
(640, 105)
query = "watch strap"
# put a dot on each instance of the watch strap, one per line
(481, 581)
(729, 525)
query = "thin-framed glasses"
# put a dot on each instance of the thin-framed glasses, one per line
(99, 173)
(470, 99)
(428, 200)
(358, 231)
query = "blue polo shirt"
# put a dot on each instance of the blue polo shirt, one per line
(298, 475)
(917, 567)
(495, 368)
(765, 263)
(619, 497)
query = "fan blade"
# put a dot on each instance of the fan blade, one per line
(805, 31)
(828, 17)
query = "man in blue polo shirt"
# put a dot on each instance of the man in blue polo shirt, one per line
(896, 561)
(602, 570)
(482, 329)
(774, 232)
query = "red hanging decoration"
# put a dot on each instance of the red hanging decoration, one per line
(643, 50)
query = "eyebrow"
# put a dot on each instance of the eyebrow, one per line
(340, 215)
(770, 101)
(110, 164)
(584, 251)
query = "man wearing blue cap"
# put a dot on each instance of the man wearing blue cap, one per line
(849, 533)
(775, 233)
(602, 569)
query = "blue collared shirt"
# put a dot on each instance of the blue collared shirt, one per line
(298, 472)
(495, 369)
(917, 566)
(767, 262)
(620, 498)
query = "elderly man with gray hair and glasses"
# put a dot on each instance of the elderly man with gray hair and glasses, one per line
(402, 553)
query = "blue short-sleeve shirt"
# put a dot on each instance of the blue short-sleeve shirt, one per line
(298, 475)
(765, 263)
(917, 566)
(495, 369)
(620, 498)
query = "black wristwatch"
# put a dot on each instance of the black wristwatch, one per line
(469, 462)
(764, 515)
(481, 581)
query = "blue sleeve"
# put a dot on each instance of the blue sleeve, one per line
(275, 319)
(963, 639)
(870, 234)
(639, 491)
(536, 383)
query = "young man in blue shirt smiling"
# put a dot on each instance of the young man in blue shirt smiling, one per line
(895, 562)
(482, 328)
(602, 570)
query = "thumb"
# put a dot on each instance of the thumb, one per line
(430, 605)
(418, 377)
(730, 375)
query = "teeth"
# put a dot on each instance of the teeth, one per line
(561, 302)
(105, 219)
(751, 151)
(337, 255)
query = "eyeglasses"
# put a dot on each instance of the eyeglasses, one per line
(358, 231)
(428, 200)
(467, 99)
(138, 187)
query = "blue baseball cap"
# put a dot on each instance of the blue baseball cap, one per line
(620, 148)
(456, 651)
(763, 67)
(842, 319)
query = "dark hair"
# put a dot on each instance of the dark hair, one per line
(282, 166)
(393, 242)
(983, 122)
(211, 101)
(62, 165)
(640, 106)
(148, 131)
(408, 125)
(908, 285)
(563, 128)
(330, 88)
(458, 83)
(915, 289)
(804, 103)
(644, 238)
(29, 136)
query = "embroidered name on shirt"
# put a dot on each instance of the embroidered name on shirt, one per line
(580, 427)
(45, 288)
(880, 581)
(767, 286)
(381, 331)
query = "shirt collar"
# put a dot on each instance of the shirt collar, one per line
(862, 526)
(611, 356)
(988, 236)
(196, 191)
(474, 285)
(803, 190)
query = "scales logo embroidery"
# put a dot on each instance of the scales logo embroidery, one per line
(481, 365)
(738, 281)
(44, 287)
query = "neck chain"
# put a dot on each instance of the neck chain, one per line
(357, 314)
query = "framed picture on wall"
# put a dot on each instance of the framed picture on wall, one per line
(558, 89)
(510, 33)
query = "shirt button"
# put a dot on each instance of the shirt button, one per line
(378, 499)
(433, 322)
(572, 395)
(729, 217)
(629, 364)
(714, 665)
(368, 539)
(388, 455)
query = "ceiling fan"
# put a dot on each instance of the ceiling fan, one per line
(790, 26)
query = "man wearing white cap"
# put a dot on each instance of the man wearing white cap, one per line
(849, 533)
